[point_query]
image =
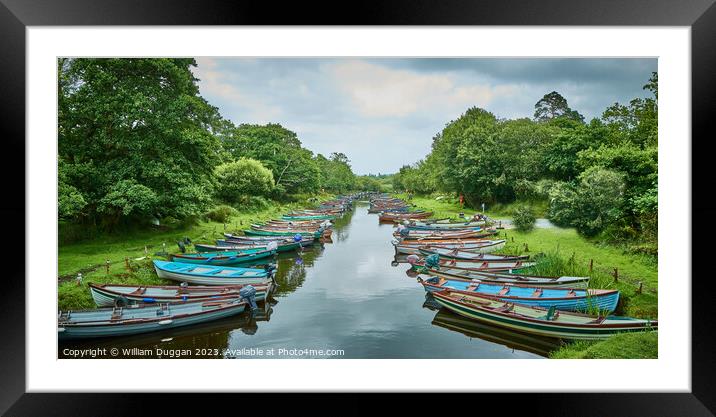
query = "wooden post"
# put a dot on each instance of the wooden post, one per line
(591, 265)
(527, 248)
(641, 287)
(106, 264)
(126, 263)
(616, 274)
(513, 238)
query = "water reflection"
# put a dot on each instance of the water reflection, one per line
(351, 295)
(511, 339)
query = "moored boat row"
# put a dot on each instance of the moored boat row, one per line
(458, 265)
(212, 282)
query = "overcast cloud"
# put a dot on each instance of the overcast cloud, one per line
(383, 113)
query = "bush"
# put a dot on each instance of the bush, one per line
(562, 204)
(523, 218)
(245, 177)
(593, 206)
(221, 214)
(252, 203)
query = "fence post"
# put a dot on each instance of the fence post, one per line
(126, 263)
(527, 248)
(591, 265)
(106, 264)
(641, 287)
(616, 274)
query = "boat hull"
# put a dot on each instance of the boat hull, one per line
(208, 279)
(605, 301)
(511, 320)
(69, 331)
(106, 297)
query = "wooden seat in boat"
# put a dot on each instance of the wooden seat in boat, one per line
(139, 291)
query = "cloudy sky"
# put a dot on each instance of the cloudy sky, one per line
(383, 112)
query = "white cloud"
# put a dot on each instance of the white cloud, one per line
(379, 91)
(216, 83)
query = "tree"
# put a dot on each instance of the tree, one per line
(553, 106)
(279, 149)
(336, 174)
(243, 178)
(135, 125)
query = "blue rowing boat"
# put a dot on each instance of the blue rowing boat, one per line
(210, 275)
(566, 299)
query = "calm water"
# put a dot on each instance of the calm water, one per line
(345, 295)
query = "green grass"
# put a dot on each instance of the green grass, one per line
(90, 256)
(642, 345)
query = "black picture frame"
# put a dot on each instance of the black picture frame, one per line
(699, 15)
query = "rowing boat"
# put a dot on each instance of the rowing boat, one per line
(540, 321)
(143, 318)
(414, 246)
(446, 226)
(511, 266)
(469, 253)
(210, 275)
(252, 232)
(437, 235)
(566, 299)
(224, 258)
(105, 295)
(223, 245)
(497, 277)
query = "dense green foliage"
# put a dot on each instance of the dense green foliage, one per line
(600, 177)
(335, 173)
(133, 135)
(523, 218)
(245, 177)
(137, 142)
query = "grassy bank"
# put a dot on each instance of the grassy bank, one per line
(643, 345)
(576, 255)
(129, 263)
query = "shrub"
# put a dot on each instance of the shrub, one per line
(252, 203)
(221, 214)
(593, 206)
(523, 218)
(562, 204)
(245, 177)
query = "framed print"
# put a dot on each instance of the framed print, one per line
(444, 198)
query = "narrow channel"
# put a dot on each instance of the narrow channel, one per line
(344, 299)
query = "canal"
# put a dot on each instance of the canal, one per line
(343, 299)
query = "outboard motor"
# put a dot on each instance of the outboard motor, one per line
(270, 269)
(248, 293)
